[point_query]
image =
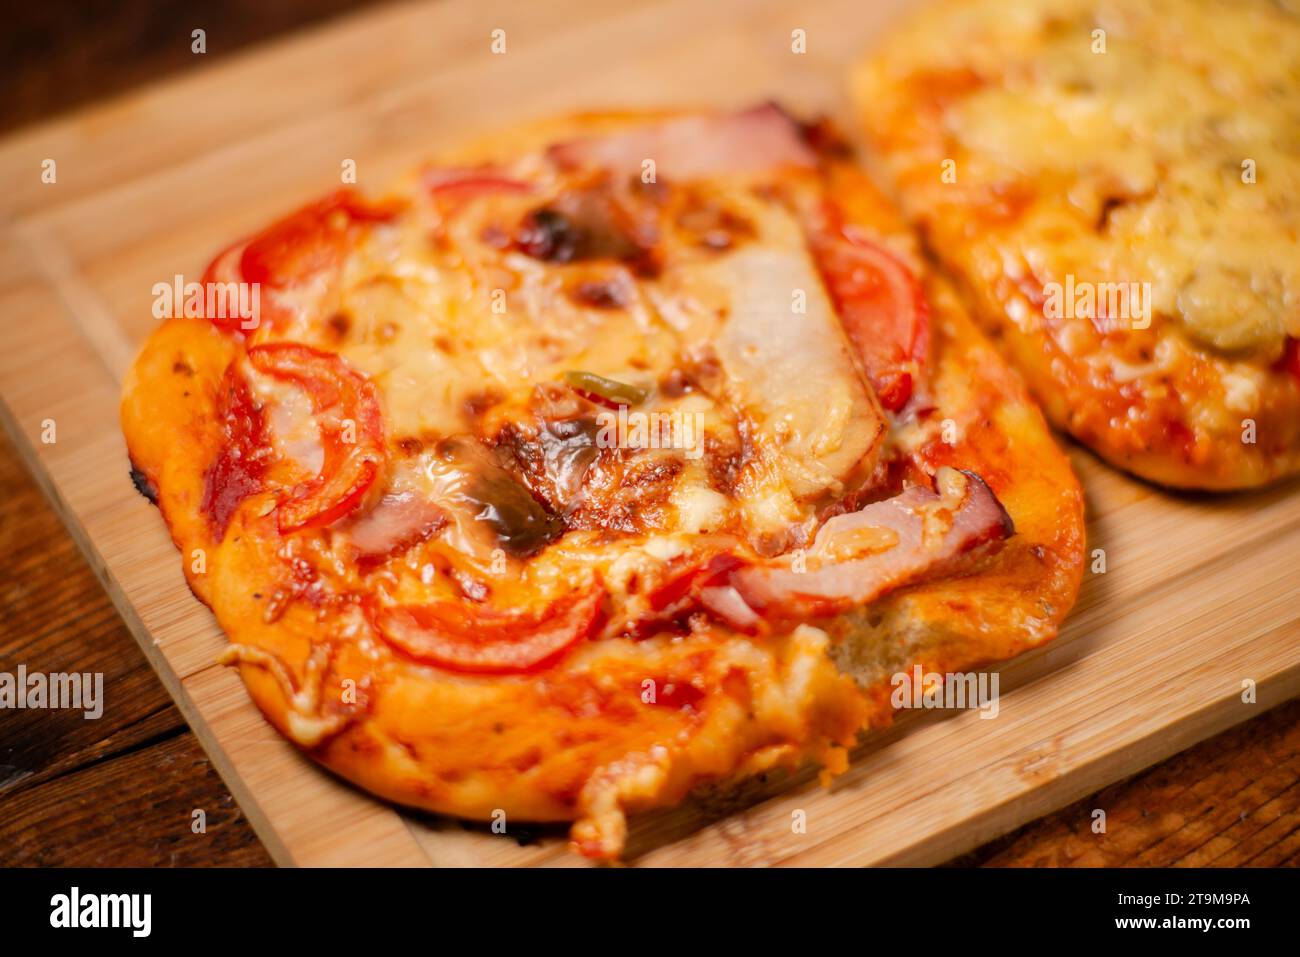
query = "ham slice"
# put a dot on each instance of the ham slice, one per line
(727, 605)
(792, 371)
(398, 521)
(789, 361)
(696, 146)
(901, 540)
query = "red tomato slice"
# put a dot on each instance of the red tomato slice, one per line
(881, 306)
(225, 270)
(304, 244)
(469, 638)
(352, 431)
(309, 241)
(245, 453)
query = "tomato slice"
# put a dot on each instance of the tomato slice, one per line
(479, 640)
(245, 453)
(352, 431)
(306, 243)
(309, 241)
(881, 306)
(224, 270)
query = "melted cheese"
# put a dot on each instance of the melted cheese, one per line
(1150, 144)
(449, 325)
(305, 721)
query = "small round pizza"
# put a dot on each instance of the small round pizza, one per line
(1116, 189)
(608, 458)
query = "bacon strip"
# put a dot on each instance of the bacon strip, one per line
(905, 539)
(929, 530)
(752, 140)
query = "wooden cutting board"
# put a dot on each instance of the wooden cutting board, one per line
(1200, 593)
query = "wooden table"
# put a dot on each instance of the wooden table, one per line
(122, 790)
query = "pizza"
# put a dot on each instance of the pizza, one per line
(1116, 189)
(602, 460)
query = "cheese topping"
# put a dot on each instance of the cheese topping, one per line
(1170, 129)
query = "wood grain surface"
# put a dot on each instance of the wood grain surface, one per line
(121, 790)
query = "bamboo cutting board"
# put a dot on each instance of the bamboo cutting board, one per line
(1200, 595)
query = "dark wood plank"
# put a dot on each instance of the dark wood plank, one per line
(56, 56)
(135, 807)
(117, 790)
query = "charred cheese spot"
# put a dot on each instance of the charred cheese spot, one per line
(339, 324)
